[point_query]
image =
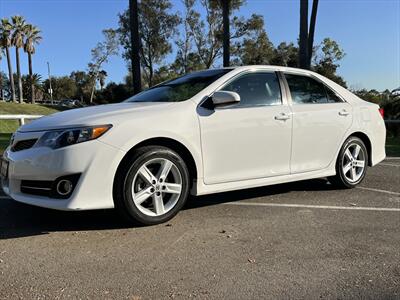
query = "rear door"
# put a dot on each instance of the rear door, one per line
(320, 121)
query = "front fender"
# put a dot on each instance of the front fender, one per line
(178, 123)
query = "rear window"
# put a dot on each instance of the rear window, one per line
(307, 90)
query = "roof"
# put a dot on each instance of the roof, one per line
(274, 68)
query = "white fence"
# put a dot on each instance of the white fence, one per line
(20, 118)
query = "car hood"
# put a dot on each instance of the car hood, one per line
(94, 115)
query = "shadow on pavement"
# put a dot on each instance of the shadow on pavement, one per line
(214, 199)
(20, 220)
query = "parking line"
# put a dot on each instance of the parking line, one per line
(389, 165)
(314, 206)
(378, 190)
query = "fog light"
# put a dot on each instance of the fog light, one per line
(64, 187)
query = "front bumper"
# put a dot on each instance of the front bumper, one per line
(95, 161)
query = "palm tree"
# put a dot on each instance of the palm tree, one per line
(30, 82)
(312, 30)
(19, 29)
(32, 38)
(226, 32)
(135, 45)
(5, 43)
(306, 38)
(303, 39)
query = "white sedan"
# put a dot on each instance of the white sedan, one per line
(205, 132)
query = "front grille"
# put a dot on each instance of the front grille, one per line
(23, 145)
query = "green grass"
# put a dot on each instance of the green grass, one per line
(26, 109)
(9, 126)
(4, 141)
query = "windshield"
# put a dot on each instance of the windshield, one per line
(181, 88)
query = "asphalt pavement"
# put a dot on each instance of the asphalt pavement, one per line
(300, 240)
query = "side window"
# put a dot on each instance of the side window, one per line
(306, 90)
(332, 97)
(256, 89)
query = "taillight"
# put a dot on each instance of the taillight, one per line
(382, 112)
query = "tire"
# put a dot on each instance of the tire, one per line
(147, 195)
(351, 164)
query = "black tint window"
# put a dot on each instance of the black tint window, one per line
(306, 90)
(256, 89)
(332, 97)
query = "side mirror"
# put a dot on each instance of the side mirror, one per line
(224, 98)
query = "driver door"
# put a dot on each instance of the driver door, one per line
(251, 139)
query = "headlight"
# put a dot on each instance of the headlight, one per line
(65, 137)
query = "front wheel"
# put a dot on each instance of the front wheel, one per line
(351, 165)
(153, 186)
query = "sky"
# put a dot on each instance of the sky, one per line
(367, 30)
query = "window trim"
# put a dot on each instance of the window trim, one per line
(284, 99)
(289, 95)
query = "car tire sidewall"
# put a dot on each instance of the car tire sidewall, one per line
(339, 169)
(131, 208)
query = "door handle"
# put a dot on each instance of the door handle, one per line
(282, 117)
(343, 113)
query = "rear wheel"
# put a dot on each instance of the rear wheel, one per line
(351, 165)
(153, 186)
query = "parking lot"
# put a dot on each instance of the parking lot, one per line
(297, 240)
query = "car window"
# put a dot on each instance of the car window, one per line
(256, 89)
(306, 90)
(181, 88)
(332, 97)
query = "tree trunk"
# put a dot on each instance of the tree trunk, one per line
(93, 88)
(226, 33)
(10, 74)
(1, 88)
(21, 96)
(186, 48)
(135, 46)
(303, 43)
(151, 77)
(92, 94)
(31, 78)
(312, 31)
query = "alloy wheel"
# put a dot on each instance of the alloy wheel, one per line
(157, 186)
(354, 161)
